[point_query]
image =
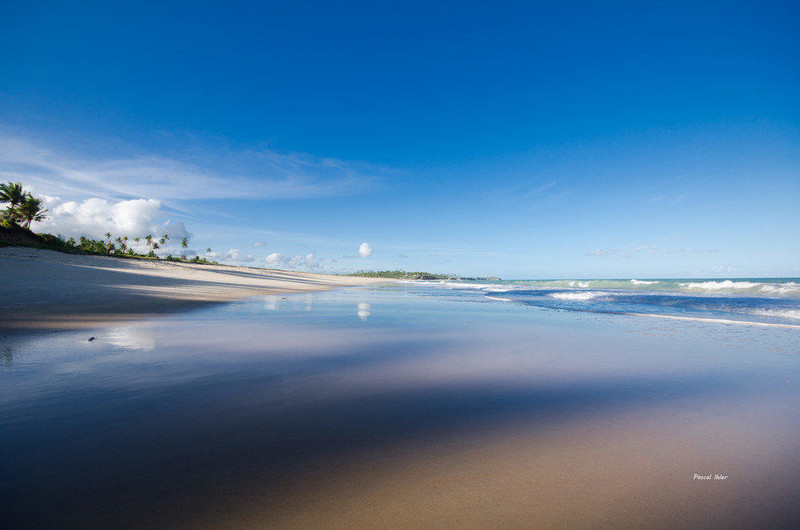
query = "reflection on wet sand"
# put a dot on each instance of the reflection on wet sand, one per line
(364, 310)
(268, 414)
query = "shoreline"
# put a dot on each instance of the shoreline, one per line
(49, 290)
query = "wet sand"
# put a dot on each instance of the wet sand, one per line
(385, 409)
(382, 408)
(42, 289)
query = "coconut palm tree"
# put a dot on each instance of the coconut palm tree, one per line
(108, 236)
(185, 242)
(14, 195)
(29, 210)
(149, 239)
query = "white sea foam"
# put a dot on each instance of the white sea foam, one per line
(730, 286)
(781, 288)
(718, 320)
(478, 286)
(719, 286)
(578, 295)
(576, 283)
(781, 313)
(642, 282)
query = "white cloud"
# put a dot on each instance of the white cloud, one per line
(94, 217)
(259, 244)
(365, 250)
(235, 256)
(208, 173)
(307, 262)
(720, 269)
(275, 259)
(691, 250)
(630, 252)
(623, 252)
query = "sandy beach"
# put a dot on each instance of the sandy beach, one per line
(398, 407)
(42, 289)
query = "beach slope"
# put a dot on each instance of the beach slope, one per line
(42, 289)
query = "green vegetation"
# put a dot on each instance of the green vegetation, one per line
(403, 275)
(23, 209)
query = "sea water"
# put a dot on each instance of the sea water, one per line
(773, 301)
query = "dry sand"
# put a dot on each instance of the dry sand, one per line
(42, 289)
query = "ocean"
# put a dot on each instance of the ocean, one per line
(754, 301)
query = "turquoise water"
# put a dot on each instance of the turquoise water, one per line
(771, 301)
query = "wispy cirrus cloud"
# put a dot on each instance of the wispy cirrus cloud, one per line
(535, 190)
(206, 174)
(630, 252)
(623, 252)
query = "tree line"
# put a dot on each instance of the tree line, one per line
(23, 208)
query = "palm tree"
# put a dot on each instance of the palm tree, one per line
(149, 239)
(208, 250)
(164, 239)
(108, 236)
(136, 239)
(31, 209)
(14, 195)
(185, 242)
(155, 245)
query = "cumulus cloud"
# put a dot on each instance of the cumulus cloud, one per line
(94, 217)
(307, 262)
(234, 256)
(365, 250)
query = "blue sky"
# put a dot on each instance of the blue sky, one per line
(525, 140)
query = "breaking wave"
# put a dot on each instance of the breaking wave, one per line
(576, 295)
(766, 301)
